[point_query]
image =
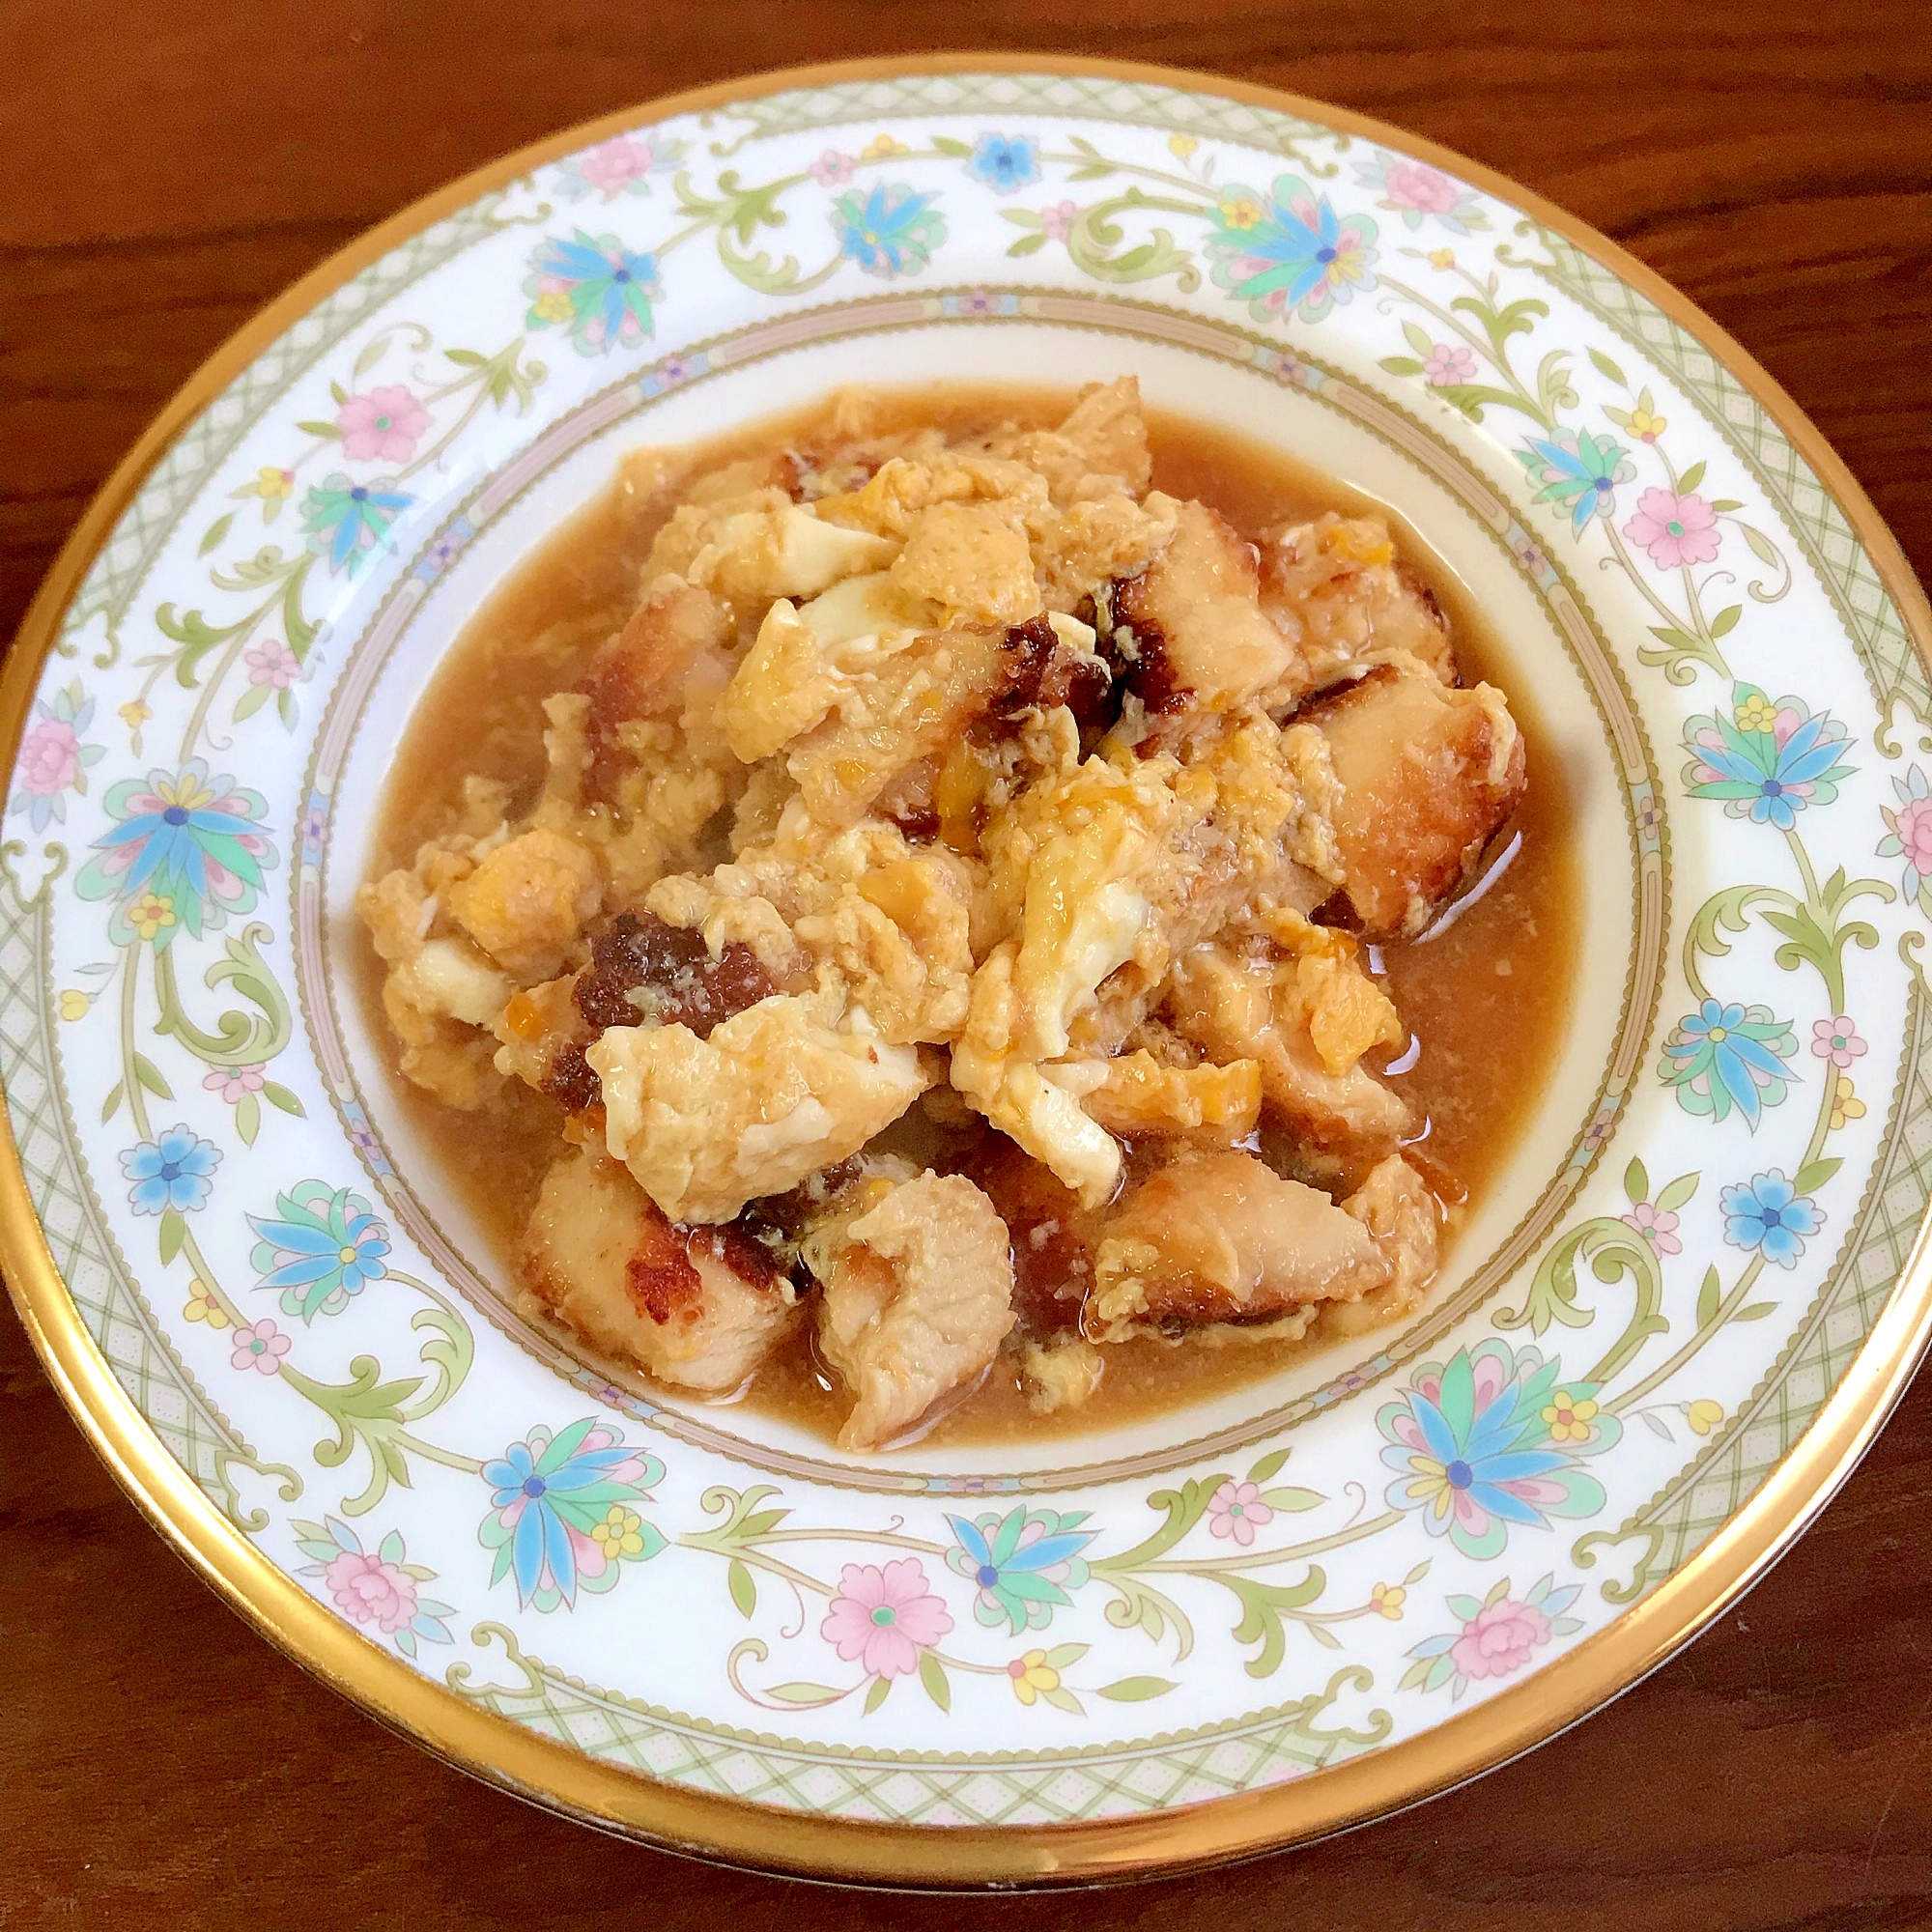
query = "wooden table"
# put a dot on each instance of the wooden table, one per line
(164, 169)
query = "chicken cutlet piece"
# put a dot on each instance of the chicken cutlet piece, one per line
(1270, 1011)
(1100, 447)
(641, 673)
(1404, 1220)
(1220, 1238)
(918, 1296)
(1190, 631)
(1338, 589)
(699, 1308)
(919, 702)
(1426, 775)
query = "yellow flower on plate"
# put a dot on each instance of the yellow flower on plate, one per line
(1845, 1102)
(1441, 258)
(151, 914)
(1240, 210)
(1704, 1415)
(1568, 1417)
(1388, 1600)
(1645, 426)
(271, 482)
(621, 1533)
(202, 1306)
(134, 713)
(882, 147)
(1756, 713)
(553, 305)
(1180, 146)
(1031, 1675)
(73, 1005)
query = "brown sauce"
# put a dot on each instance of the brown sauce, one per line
(1484, 996)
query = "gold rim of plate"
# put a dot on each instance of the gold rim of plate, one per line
(561, 1779)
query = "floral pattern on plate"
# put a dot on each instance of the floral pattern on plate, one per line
(157, 789)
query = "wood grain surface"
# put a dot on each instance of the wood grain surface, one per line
(166, 166)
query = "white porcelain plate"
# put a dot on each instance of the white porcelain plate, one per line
(1668, 1330)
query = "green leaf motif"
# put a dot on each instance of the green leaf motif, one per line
(1399, 365)
(1027, 244)
(1814, 1174)
(1135, 1689)
(1292, 1500)
(216, 532)
(1605, 367)
(1268, 1466)
(173, 1233)
(932, 1676)
(1263, 1606)
(1637, 1183)
(1690, 479)
(946, 144)
(1710, 1297)
(744, 1592)
(1678, 1193)
(882, 1689)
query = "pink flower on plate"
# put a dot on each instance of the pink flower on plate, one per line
(369, 1590)
(272, 663)
(260, 1347)
(612, 166)
(1237, 1510)
(1674, 529)
(832, 169)
(1410, 185)
(49, 757)
(234, 1082)
(1498, 1639)
(884, 1618)
(382, 426)
(1836, 1040)
(1449, 363)
(1910, 833)
(1057, 222)
(1658, 1225)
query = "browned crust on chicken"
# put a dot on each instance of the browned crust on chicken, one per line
(697, 1307)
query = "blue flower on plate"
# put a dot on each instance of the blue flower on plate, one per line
(171, 1172)
(345, 520)
(1005, 163)
(594, 288)
(891, 231)
(1725, 1056)
(1023, 1563)
(1576, 469)
(1474, 1446)
(1770, 1217)
(327, 1246)
(560, 1515)
(1767, 759)
(1288, 249)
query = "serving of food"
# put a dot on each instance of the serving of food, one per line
(973, 973)
(946, 918)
